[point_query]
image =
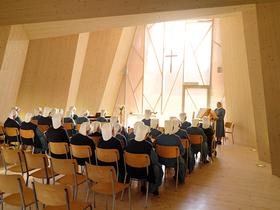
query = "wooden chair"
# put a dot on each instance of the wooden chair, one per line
(56, 197)
(2, 134)
(105, 182)
(19, 195)
(196, 140)
(27, 138)
(169, 152)
(43, 128)
(130, 130)
(78, 127)
(59, 148)
(96, 140)
(108, 156)
(229, 126)
(13, 132)
(40, 163)
(68, 168)
(186, 144)
(13, 161)
(35, 122)
(68, 127)
(138, 161)
(81, 151)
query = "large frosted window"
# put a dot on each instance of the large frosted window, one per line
(177, 58)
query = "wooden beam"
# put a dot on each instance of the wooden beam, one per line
(34, 11)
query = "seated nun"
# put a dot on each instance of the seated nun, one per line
(147, 117)
(110, 142)
(45, 119)
(95, 129)
(195, 130)
(82, 138)
(54, 111)
(154, 132)
(69, 119)
(209, 132)
(117, 133)
(12, 123)
(139, 145)
(73, 110)
(18, 119)
(37, 113)
(188, 156)
(57, 133)
(83, 118)
(131, 135)
(40, 142)
(170, 139)
(115, 119)
(102, 118)
(184, 123)
(178, 131)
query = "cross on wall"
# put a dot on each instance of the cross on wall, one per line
(171, 58)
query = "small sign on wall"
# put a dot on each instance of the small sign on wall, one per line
(220, 69)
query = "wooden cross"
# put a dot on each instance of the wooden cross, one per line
(171, 56)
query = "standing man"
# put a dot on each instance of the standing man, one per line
(220, 128)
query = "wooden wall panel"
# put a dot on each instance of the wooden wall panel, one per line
(118, 70)
(217, 78)
(77, 69)
(236, 76)
(102, 46)
(11, 69)
(4, 35)
(256, 82)
(269, 36)
(47, 73)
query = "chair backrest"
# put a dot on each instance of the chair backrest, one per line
(78, 127)
(35, 122)
(101, 174)
(59, 148)
(96, 140)
(81, 151)
(196, 139)
(68, 126)
(11, 131)
(130, 130)
(27, 134)
(185, 142)
(167, 151)
(52, 195)
(43, 128)
(228, 124)
(2, 130)
(137, 160)
(10, 183)
(12, 156)
(107, 155)
(64, 166)
(35, 160)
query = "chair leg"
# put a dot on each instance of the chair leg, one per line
(147, 194)
(232, 138)
(129, 196)
(113, 202)
(124, 189)
(94, 204)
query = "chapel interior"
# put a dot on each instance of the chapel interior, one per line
(168, 56)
